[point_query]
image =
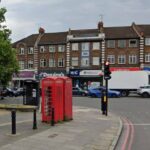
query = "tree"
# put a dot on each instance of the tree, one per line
(8, 61)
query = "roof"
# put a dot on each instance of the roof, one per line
(145, 29)
(120, 32)
(54, 38)
(124, 32)
(30, 40)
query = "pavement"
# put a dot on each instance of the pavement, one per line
(89, 130)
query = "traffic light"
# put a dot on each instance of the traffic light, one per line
(107, 72)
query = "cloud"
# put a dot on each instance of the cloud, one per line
(59, 15)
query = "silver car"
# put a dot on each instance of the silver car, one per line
(144, 91)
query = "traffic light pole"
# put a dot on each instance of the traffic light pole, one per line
(107, 77)
(106, 82)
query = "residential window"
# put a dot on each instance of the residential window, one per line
(133, 43)
(52, 49)
(85, 46)
(95, 61)
(61, 48)
(111, 44)
(42, 49)
(75, 46)
(85, 62)
(52, 62)
(121, 59)
(132, 59)
(96, 45)
(147, 57)
(74, 61)
(22, 65)
(30, 50)
(22, 51)
(42, 62)
(121, 43)
(61, 62)
(30, 64)
(111, 59)
(147, 41)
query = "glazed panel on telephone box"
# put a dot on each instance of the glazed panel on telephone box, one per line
(52, 97)
(47, 99)
(59, 92)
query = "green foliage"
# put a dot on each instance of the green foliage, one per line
(8, 61)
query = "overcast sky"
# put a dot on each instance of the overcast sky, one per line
(24, 17)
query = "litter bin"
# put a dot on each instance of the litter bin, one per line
(31, 92)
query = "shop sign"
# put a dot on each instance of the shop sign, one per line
(44, 74)
(91, 73)
(146, 68)
(125, 69)
(74, 73)
(24, 74)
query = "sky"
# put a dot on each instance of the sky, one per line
(24, 17)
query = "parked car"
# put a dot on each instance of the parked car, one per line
(8, 92)
(79, 92)
(19, 92)
(97, 92)
(144, 91)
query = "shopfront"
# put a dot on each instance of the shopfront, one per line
(17, 79)
(86, 78)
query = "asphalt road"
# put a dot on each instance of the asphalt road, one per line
(134, 108)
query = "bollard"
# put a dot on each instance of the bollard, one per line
(13, 117)
(52, 120)
(34, 120)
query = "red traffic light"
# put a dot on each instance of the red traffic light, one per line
(107, 63)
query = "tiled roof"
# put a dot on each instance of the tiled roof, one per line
(30, 40)
(110, 33)
(119, 32)
(53, 38)
(145, 29)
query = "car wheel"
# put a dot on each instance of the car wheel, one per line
(124, 93)
(145, 95)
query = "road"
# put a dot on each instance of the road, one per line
(135, 109)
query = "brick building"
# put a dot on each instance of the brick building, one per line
(81, 53)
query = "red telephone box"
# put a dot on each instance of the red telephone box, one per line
(52, 97)
(67, 97)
